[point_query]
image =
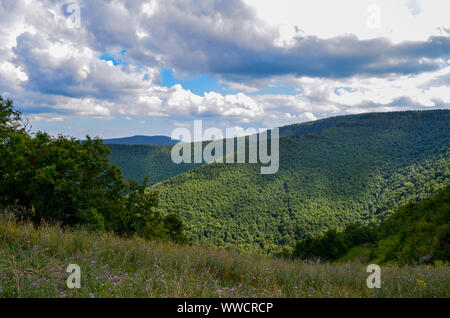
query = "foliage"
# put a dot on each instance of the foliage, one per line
(61, 179)
(333, 244)
(152, 161)
(417, 230)
(411, 233)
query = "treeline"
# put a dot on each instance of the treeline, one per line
(416, 233)
(334, 244)
(61, 179)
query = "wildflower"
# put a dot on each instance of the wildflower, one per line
(1, 290)
(91, 295)
(421, 283)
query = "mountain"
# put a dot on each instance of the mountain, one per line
(140, 161)
(141, 140)
(333, 172)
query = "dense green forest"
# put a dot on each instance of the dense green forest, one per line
(415, 233)
(152, 161)
(72, 182)
(352, 169)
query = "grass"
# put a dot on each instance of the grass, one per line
(359, 253)
(33, 263)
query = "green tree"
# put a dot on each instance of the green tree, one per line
(61, 179)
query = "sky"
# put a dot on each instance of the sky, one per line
(114, 68)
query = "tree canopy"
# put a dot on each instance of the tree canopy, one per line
(62, 179)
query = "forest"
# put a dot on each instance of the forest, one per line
(417, 233)
(333, 172)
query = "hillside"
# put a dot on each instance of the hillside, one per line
(417, 231)
(141, 140)
(33, 263)
(348, 169)
(140, 161)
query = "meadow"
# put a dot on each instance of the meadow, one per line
(33, 262)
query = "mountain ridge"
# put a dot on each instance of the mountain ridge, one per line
(157, 140)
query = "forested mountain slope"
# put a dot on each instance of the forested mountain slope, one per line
(140, 161)
(417, 232)
(352, 169)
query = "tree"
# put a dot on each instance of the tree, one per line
(61, 179)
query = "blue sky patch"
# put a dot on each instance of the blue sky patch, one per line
(197, 84)
(116, 60)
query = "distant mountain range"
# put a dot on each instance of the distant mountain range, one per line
(141, 140)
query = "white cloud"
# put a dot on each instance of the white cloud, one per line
(45, 117)
(399, 20)
(47, 65)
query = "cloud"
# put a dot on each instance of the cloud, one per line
(109, 67)
(226, 38)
